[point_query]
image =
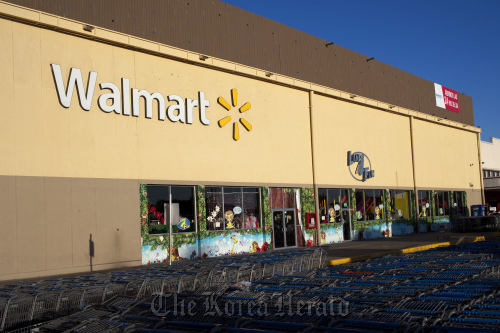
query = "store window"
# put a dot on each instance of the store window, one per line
(459, 207)
(400, 204)
(442, 202)
(369, 205)
(175, 204)
(424, 203)
(331, 204)
(230, 208)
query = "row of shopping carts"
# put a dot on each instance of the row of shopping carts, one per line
(31, 303)
(448, 289)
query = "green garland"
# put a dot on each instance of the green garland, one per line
(307, 202)
(387, 205)
(352, 193)
(213, 234)
(201, 207)
(307, 206)
(266, 211)
(310, 232)
(331, 225)
(432, 205)
(202, 212)
(406, 221)
(179, 239)
(155, 241)
(413, 207)
(143, 198)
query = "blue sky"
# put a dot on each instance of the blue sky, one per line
(455, 43)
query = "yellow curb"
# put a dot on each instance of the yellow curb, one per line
(468, 239)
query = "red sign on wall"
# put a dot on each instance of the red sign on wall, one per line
(446, 98)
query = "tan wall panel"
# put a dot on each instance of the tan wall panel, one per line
(83, 219)
(56, 125)
(98, 140)
(82, 154)
(106, 238)
(217, 156)
(31, 220)
(45, 224)
(474, 197)
(105, 139)
(129, 245)
(126, 128)
(7, 127)
(443, 157)
(28, 111)
(340, 127)
(58, 229)
(8, 225)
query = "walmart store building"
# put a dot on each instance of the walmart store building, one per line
(125, 124)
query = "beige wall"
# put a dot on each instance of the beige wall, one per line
(443, 157)
(340, 127)
(106, 145)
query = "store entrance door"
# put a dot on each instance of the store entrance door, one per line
(284, 228)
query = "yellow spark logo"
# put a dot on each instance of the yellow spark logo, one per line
(224, 121)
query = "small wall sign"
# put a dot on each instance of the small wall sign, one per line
(363, 170)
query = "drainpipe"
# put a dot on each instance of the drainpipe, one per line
(316, 202)
(414, 175)
(478, 135)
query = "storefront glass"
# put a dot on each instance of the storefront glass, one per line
(459, 204)
(424, 204)
(369, 205)
(231, 208)
(331, 204)
(175, 204)
(442, 203)
(400, 204)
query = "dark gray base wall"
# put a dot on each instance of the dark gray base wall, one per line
(46, 224)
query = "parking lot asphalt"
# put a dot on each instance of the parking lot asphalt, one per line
(363, 248)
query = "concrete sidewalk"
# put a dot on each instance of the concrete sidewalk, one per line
(351, 251)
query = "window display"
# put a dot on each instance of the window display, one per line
(331, 203)
(370, 205)
(175, 204)
(400, 204)
(424, 203)
(442, 203)
(459, 203)
(231, 208)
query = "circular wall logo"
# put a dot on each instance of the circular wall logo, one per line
(360, 166)
(184, 224)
